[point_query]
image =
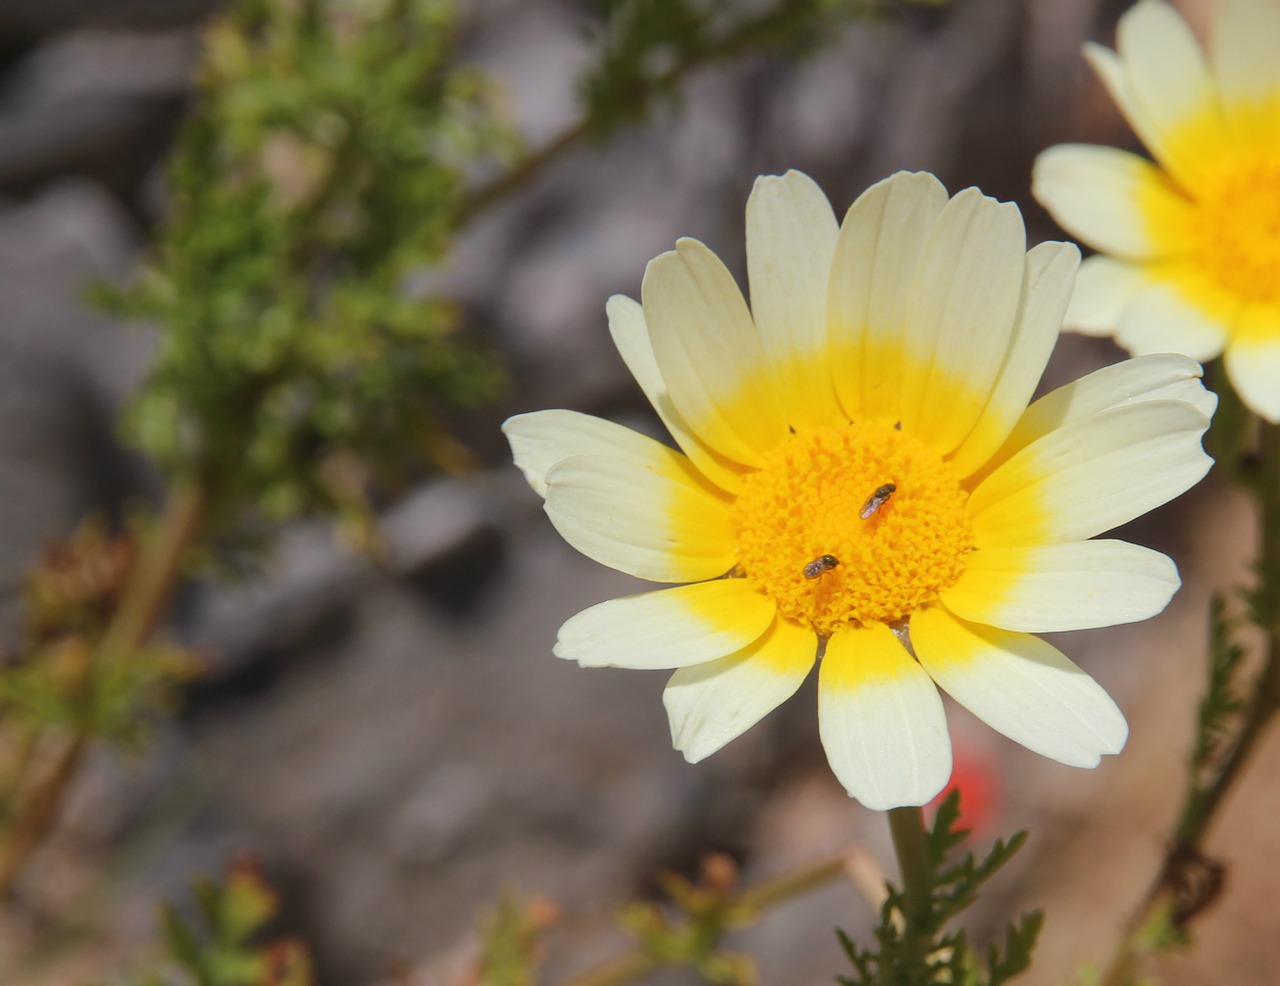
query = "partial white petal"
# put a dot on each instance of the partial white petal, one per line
(710, 354)
(1243, 48)
(1020, 686)
(1168, 77)
(1104, 287)
(1050, 271)
(1163, 377)
(631, 337)
(540, 439)
(669, 628)
(1091, 475)
(1075, 586)
(1253, 361)
(651, 520)
(881, 720)
(1112, 200)
(791, 238)
(960, 317)
(1160, 320)
(877, 253)
(711, 704)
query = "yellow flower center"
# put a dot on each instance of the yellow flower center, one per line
(821, 532)
(1237, 230)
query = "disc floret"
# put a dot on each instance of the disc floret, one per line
(808, 502)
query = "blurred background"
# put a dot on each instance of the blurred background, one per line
(395, 742)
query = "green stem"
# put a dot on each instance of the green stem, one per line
(1187, 881)
(135, 619)
(1202, 806)
(911, 845)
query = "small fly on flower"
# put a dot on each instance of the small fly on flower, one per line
(876, 500)
(823, 563)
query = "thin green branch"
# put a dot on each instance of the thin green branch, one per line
(752, 34)
(1189, 880)
(145, 598)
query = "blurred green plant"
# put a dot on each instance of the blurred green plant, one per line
(511, 949)
(222, 942)
(317, 179)
(57, 695)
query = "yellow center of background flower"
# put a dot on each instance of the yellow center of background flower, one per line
(806, 502)
(1237, 230)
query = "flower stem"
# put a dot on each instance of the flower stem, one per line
(1188, 880)
(911, 845)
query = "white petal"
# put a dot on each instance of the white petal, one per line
(1253, 362)
(648, 519)
(1050, 271)
(1168, 77)
(1243, 47)
(791, 238)
(1103, 288)
(540, 439)
(710, 354)
(960, 317)
(711, 704)
(669, 628)
(1160, 320)
(631, 337)
(881, 720)
(1020, 686)
(1075, 586)
(1112, 200)
(877, 253)
(1163, 377)
(1091, 475)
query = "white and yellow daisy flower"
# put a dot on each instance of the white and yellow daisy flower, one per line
(860, 480)
(1190, 244)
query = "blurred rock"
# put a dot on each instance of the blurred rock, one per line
(95, 103)
(63, 369)
(28, 18)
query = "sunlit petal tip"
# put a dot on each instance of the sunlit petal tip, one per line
(1253, 367)
(709, 353)
(710, 704)
(667, 628)
(1060, 587)
(640, 515)
(791, 238)
(881, 720)
(540, 440)
(1092, 473)
(1021, 686)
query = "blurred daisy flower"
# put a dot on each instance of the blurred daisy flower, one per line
(861, 480)
(1190, 244)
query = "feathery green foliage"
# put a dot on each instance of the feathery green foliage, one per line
(914, 949)
(318, 176)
